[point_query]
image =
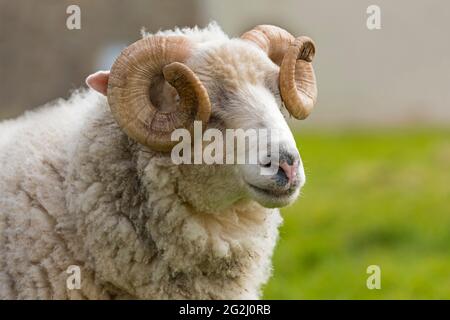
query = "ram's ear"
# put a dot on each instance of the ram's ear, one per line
(98, 81)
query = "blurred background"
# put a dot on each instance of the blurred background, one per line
(376, 148)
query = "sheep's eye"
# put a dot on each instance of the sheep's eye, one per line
(271, 82)
(277, 95)
(215, 121)
(274, 89)
(284, 111)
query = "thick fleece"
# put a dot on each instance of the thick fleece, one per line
(75, 190)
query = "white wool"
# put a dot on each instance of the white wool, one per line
(211, 33)
(75, 190)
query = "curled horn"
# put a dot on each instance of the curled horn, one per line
(294, 56)
(141, 67)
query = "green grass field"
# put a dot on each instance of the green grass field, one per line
(380, 198)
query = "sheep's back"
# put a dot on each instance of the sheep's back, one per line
(34, 225)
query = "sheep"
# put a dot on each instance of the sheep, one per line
(89, 182)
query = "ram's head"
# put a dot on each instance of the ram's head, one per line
(162, 83)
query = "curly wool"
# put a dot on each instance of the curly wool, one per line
(75, 190)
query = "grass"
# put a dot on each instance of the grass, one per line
(371, 198)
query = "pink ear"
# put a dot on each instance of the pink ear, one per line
(98, 81)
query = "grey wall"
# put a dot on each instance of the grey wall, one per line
(40, 59)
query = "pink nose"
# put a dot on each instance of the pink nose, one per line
(290, 170)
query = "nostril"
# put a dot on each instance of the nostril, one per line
(282, 178)
(289, 158)
(289, 170)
